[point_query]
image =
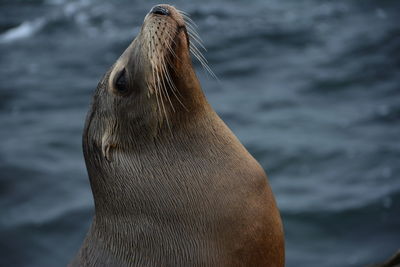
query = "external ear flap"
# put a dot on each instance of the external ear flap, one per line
(108, 143)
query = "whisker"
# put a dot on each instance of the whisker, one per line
(155, 84)
(167, 75)
(169, 45)
(183, 12)
(156, 93)
(195, 36)
(186, 17)
(162, 83)
(193, 30)
(163, 80)
(197, 41)
(173, 87)
(203, 62)
(162, 101)
(194, 47)
(175, 56)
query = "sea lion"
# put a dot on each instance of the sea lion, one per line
(172, 185)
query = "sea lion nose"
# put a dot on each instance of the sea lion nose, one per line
(159, 10)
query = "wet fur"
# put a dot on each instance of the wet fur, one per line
(172, 185)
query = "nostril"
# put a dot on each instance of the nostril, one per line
(159, 10)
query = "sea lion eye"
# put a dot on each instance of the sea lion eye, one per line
(121, 83)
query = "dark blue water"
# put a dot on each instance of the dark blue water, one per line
(311, 88)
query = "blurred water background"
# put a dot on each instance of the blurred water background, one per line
(311, 88)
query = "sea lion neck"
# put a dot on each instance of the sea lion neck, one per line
(118, 185)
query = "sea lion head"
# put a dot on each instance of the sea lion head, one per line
(152, 87)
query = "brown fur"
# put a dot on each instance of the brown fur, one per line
(172, 185)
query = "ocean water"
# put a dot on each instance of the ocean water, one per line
(311, 88)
